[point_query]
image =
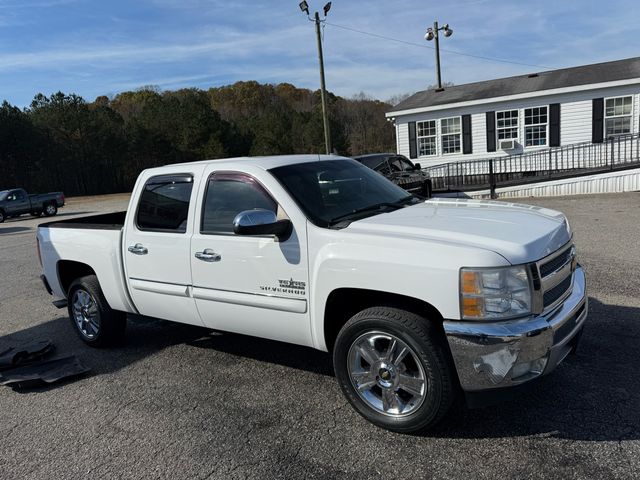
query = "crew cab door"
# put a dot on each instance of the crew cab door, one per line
(18, 203)
(156, 247)
(255, 285)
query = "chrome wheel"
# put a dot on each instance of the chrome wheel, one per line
(85, 314)
(51, 209)
(387, 374)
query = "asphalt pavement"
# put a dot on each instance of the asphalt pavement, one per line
(181, 402)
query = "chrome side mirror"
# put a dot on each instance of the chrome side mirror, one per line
(261, 222)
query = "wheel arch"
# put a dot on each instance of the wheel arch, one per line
(70, 270)
(343, 303)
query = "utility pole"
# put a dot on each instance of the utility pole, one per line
(433, 34)
(323, 89)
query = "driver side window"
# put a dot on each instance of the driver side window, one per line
(227, 195)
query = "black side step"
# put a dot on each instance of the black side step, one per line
(60, 303)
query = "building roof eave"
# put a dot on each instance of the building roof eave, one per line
(505, 98)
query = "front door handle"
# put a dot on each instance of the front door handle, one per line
(208, 255)
(138, 249)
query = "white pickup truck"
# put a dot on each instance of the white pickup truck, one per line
(418, 301)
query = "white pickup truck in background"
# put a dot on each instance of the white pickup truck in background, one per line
(417, 301)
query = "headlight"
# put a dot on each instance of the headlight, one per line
(495, 293)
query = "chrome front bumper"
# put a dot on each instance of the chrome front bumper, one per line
(504, 354)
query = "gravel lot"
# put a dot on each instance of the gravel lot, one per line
(179, 402)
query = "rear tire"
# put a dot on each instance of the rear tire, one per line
(393, 367)
(50, 210)
(2, 216)
(95, 322)
(427, 189)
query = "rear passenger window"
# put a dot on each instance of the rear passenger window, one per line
(227, 195)
(164, 204)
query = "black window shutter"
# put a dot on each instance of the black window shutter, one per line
(554, 125)
(413, 146)
(466, 134)
(491, 131)
(597, 115)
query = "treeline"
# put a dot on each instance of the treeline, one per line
(62, 142)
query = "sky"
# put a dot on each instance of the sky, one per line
(94, 48)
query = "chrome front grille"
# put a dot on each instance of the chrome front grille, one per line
(557, 262)
(556, 277)
(552, 295)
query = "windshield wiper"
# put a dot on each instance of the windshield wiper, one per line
(374, 208)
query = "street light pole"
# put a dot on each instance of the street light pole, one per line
(433, 34)
(323, 89)
(437, 42)
(304, 7)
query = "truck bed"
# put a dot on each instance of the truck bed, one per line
(106, 221)
(94, 240)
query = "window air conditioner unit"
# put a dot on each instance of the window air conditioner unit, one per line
(507, 144)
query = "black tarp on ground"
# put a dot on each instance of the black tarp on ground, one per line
(25, 353)
(43, 372)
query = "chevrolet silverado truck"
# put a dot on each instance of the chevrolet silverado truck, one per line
(418, 301)
(16, 202)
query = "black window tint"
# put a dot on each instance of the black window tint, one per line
(164, 204)
(373, 162)
(229, 194)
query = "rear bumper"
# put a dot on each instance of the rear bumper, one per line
(490, 356)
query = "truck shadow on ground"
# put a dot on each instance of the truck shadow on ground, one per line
(592, 396)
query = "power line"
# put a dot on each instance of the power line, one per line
(491, 59)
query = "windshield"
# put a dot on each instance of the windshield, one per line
(400, 164)
(3, 195)
(328, 190)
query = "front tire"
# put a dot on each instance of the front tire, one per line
(393, 367)
(50, 210)
(2, 216)
(95, 322)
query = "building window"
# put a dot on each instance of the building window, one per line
(507, 124)
(617, 115)
(450, 132)
(426, 138)
(535, 126)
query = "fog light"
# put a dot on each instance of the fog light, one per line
(533, 368)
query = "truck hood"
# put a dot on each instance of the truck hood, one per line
(520, 233)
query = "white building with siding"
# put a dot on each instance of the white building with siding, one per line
(527, 113)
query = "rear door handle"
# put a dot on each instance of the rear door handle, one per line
(208, 255)
(138, 249)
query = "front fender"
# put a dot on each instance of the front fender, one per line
(424, 270)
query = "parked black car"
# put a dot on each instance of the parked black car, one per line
(400, 170)
(16, 202)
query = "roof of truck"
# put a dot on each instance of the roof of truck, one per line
(269, 162)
